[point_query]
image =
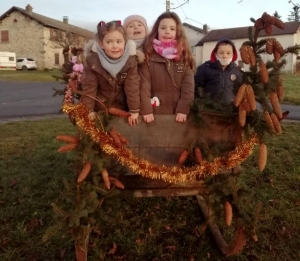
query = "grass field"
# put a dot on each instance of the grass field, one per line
(154, 229)
(29, 76)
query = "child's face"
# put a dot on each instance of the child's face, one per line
(113, 44)
(167, 30)
(225, 51)
(136, 30)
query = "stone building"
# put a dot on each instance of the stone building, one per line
(29, 34)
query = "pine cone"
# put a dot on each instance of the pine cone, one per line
(251, 56)
(246, 105)
(263, 72)
(259, 24)
(240, 95)
(117, 183)
(116, 138)
(198, 154)
(118, 112)
(238, 136)
(269, 46)
(105, 178)
(275, 104)
(277, 56)
(85, 172)
(276, 123)
(67, 147)
(278, 47)
(244, 54)
(269, 121)
(228, 213)
(268, 18)
(279, 91)
(268, 28)
(242, 116)
(183, 156)
(262, 156)
(251, 97)
(67, 138)
(279, 23)
(121, 137)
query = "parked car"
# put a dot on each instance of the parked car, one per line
(26, 64)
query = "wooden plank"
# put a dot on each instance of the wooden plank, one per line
(162, 141)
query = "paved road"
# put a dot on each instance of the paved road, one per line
(24, 99)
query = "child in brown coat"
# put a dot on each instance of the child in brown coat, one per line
(110, 73)
(167, 77)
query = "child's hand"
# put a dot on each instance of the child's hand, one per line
(180, 117)
(148, 118)
(91, 116)
(133, 119)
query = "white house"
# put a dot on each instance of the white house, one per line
(194, 34)
(287, 37)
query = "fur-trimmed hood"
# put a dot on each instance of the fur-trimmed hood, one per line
(91, 46)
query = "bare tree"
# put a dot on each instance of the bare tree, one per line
(276, 15)
(295, 14)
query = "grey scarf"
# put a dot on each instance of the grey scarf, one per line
(139, 42)
(113, 66)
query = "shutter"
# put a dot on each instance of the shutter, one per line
(4, 36)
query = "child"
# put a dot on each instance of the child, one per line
(217, 76)
(167, 74)
(136, 29)
(110, 73)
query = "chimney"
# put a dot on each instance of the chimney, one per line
(205, 29)
(29, 9)
(66, 19)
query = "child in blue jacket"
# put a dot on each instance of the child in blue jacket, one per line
(218, 75)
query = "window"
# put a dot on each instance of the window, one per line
(11, 58)
(19, 60)
(56, 58)
(4, 36)
(53, 34)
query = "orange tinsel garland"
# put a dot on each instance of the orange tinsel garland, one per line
(150, 170)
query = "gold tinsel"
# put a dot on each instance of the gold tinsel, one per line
(148, 169)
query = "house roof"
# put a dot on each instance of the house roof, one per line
(242, 32)
(194, 27)
(49, 22)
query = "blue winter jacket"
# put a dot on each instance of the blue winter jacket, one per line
(216, 82)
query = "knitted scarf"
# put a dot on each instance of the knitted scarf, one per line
(139, 42)
(167, 50)
(113, 66)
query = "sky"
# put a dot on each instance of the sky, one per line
(217, 14)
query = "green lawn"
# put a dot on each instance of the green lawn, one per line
(154, 229)
(29, 76)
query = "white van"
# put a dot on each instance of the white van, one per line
(7, 61)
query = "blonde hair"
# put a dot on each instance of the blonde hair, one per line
(110, 27)
(184, 49)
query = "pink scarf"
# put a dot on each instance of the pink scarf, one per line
(167, 50)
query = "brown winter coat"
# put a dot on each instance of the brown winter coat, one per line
(171, 81)
(121, 92)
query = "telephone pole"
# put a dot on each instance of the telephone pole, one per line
(168, 5)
